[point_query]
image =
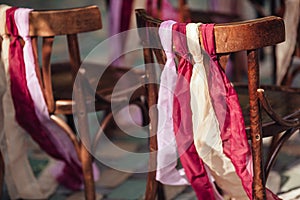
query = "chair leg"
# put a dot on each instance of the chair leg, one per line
(151, 188)
(89, 185)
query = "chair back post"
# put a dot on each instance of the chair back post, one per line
(81, 113)
(259, 191)
(152, 95)
(46, 71)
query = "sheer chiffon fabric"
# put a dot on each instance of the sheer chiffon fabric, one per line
(182, 119)
(233, 134)
(19, 178)
(167, 150)
(26, 115)
(206, 130)
(61, 139)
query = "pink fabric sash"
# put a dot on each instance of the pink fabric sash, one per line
(233, 134)
(193, 165)
(167, 151)
(207, 137)
(26, 110)
(229, 114)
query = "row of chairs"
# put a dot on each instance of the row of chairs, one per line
(264, 117)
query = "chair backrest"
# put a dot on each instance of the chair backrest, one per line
(229, 38)
(68, 22)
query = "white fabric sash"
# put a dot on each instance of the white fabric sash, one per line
(207, 138)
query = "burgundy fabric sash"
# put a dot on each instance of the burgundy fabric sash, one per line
(25, 111)
(182, 116)
(228, 111)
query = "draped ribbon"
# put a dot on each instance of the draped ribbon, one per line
(228, 111)
(41, 111)
(19, 178)
(26, 112)
(229, 114)
(167, 153)
(207, 136)
(193, 165)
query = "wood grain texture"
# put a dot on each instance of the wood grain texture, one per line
(64, 22)
(249, 35)
(237, 36)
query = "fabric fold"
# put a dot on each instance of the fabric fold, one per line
(167, 150)
(19, 178)
(229, 114)
(31, 115)
(60, 139)
(182, 119)
(206, 130)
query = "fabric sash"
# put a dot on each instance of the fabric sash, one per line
(19, 178)
(207, 137)
(193, 165)
(233, 134)
(167, 151)
(26, 115)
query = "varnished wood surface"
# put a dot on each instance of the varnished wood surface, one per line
(248, 35)
(238, 36)
(64, 22)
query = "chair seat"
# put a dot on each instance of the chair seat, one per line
(284, 102)
(127, 81)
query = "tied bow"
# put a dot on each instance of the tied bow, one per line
(167, 154)
(25, 109)
(182, 118)
(207, 134)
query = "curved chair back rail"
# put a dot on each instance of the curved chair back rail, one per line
(236, 36)
(64, 22)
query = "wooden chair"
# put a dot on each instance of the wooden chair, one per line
(58, 93)
(281, 109)
(58, 79)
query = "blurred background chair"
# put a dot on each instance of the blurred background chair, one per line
(91, 93)
(263, 117)
(58, 79)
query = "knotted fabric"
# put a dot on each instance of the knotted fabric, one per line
(229, 114)
(182, 116)
(233, 134)
(26, 112)
(167, 151)
(207, 135)
(19, 178)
